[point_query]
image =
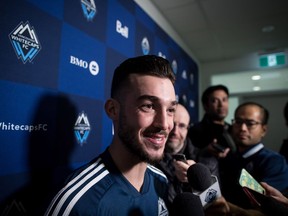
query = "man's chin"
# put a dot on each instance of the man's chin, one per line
(155, 157)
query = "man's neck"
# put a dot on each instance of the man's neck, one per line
(220, 122)
(130, 166)
(210, 118)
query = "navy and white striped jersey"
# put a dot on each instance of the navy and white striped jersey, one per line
(99, 188)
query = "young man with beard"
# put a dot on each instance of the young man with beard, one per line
(121, 180)
(213, 131)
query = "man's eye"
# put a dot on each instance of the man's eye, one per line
(172, 110)
(147, 107)
(251, 123)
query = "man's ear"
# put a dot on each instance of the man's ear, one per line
(264, 130)
(112, 108)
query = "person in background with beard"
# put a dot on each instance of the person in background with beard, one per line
(178, 144)
(211, 131)
(121, 180)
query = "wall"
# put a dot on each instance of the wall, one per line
(56, 64)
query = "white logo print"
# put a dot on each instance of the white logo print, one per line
(145, 46)
(92, 66)
(123, 30)
(162, 209)
(25, 42)
(82, 128)
(89, 9)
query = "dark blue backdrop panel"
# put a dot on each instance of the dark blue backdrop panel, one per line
(93, 109)
(161, 48)
(17, 125)
(126, 4)
(114, 59)
(92, 24)
(47, 31)
(191, 104)
(53, 7)
(82, 68)
(144, 40)
(120, 29)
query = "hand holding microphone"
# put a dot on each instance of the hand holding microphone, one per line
(206, 188)
(204, 184)
(181, 169)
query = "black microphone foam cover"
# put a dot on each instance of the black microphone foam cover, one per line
(199, 177)
(187, 204)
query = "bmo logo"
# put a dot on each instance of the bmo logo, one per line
(92, 66)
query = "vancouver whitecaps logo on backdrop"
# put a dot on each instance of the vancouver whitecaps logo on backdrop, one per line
(145, 46)
(174, 66)
(82, 128)
(25, 42)
(184, 74)
(89, 9)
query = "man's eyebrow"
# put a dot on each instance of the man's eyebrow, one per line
(154, 98)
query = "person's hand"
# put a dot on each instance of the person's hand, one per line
(213, 150)
(181, 169)
(273, 192)
(218, 207)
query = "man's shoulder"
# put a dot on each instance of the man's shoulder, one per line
(270, 154)
(156, 173)
(79, 187)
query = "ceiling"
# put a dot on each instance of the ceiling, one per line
(216, 30)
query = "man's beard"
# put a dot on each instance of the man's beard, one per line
(218, 117)
(128, 137)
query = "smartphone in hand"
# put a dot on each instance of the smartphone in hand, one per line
(218, 147)
(179, 157)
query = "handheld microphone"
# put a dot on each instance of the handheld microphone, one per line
(204, 184)
(187, 204)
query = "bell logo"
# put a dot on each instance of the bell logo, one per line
(124, 31)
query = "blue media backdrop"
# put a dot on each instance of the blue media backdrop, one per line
(57, 61)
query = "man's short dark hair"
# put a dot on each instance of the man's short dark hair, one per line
(264, 111)
(142, 65)
(207, 93)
